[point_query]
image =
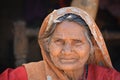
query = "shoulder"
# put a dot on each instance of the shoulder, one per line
(35, 70)
(14, 74)
(39, 63)
(103, 73)
(34, 66)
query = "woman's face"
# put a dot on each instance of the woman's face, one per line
(69, 47)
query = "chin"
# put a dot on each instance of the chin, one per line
(69, 67)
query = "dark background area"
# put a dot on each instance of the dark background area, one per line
(34, 11)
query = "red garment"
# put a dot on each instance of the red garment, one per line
(14, 74)
(94, 73)
(102, 73)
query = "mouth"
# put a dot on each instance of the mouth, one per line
(68, 60)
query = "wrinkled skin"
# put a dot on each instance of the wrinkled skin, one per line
(69, 47)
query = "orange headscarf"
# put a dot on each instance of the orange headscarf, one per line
(100, 56)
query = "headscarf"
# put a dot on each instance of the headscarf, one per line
(100, 56)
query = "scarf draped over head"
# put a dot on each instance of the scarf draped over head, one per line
(100, 55)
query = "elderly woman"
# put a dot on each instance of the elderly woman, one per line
(72, 49)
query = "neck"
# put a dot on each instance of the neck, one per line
(75, 74)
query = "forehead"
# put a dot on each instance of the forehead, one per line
(68, 29)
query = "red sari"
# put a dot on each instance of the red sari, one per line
(94, 73)
(102, 73)
(14, 74)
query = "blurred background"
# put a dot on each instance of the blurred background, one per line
(21, 19)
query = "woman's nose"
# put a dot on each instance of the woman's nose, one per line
(67, 49)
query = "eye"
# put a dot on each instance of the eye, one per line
(59, 41)
(77, 42)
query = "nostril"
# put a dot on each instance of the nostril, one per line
(67, 49)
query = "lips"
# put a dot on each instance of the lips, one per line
(68, 60)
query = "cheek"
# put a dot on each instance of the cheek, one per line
(54, 49)
(83, 51)
(55, 53)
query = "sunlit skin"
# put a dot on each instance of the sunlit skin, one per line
(69, 48)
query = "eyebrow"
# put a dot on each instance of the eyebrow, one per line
(75, 38)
